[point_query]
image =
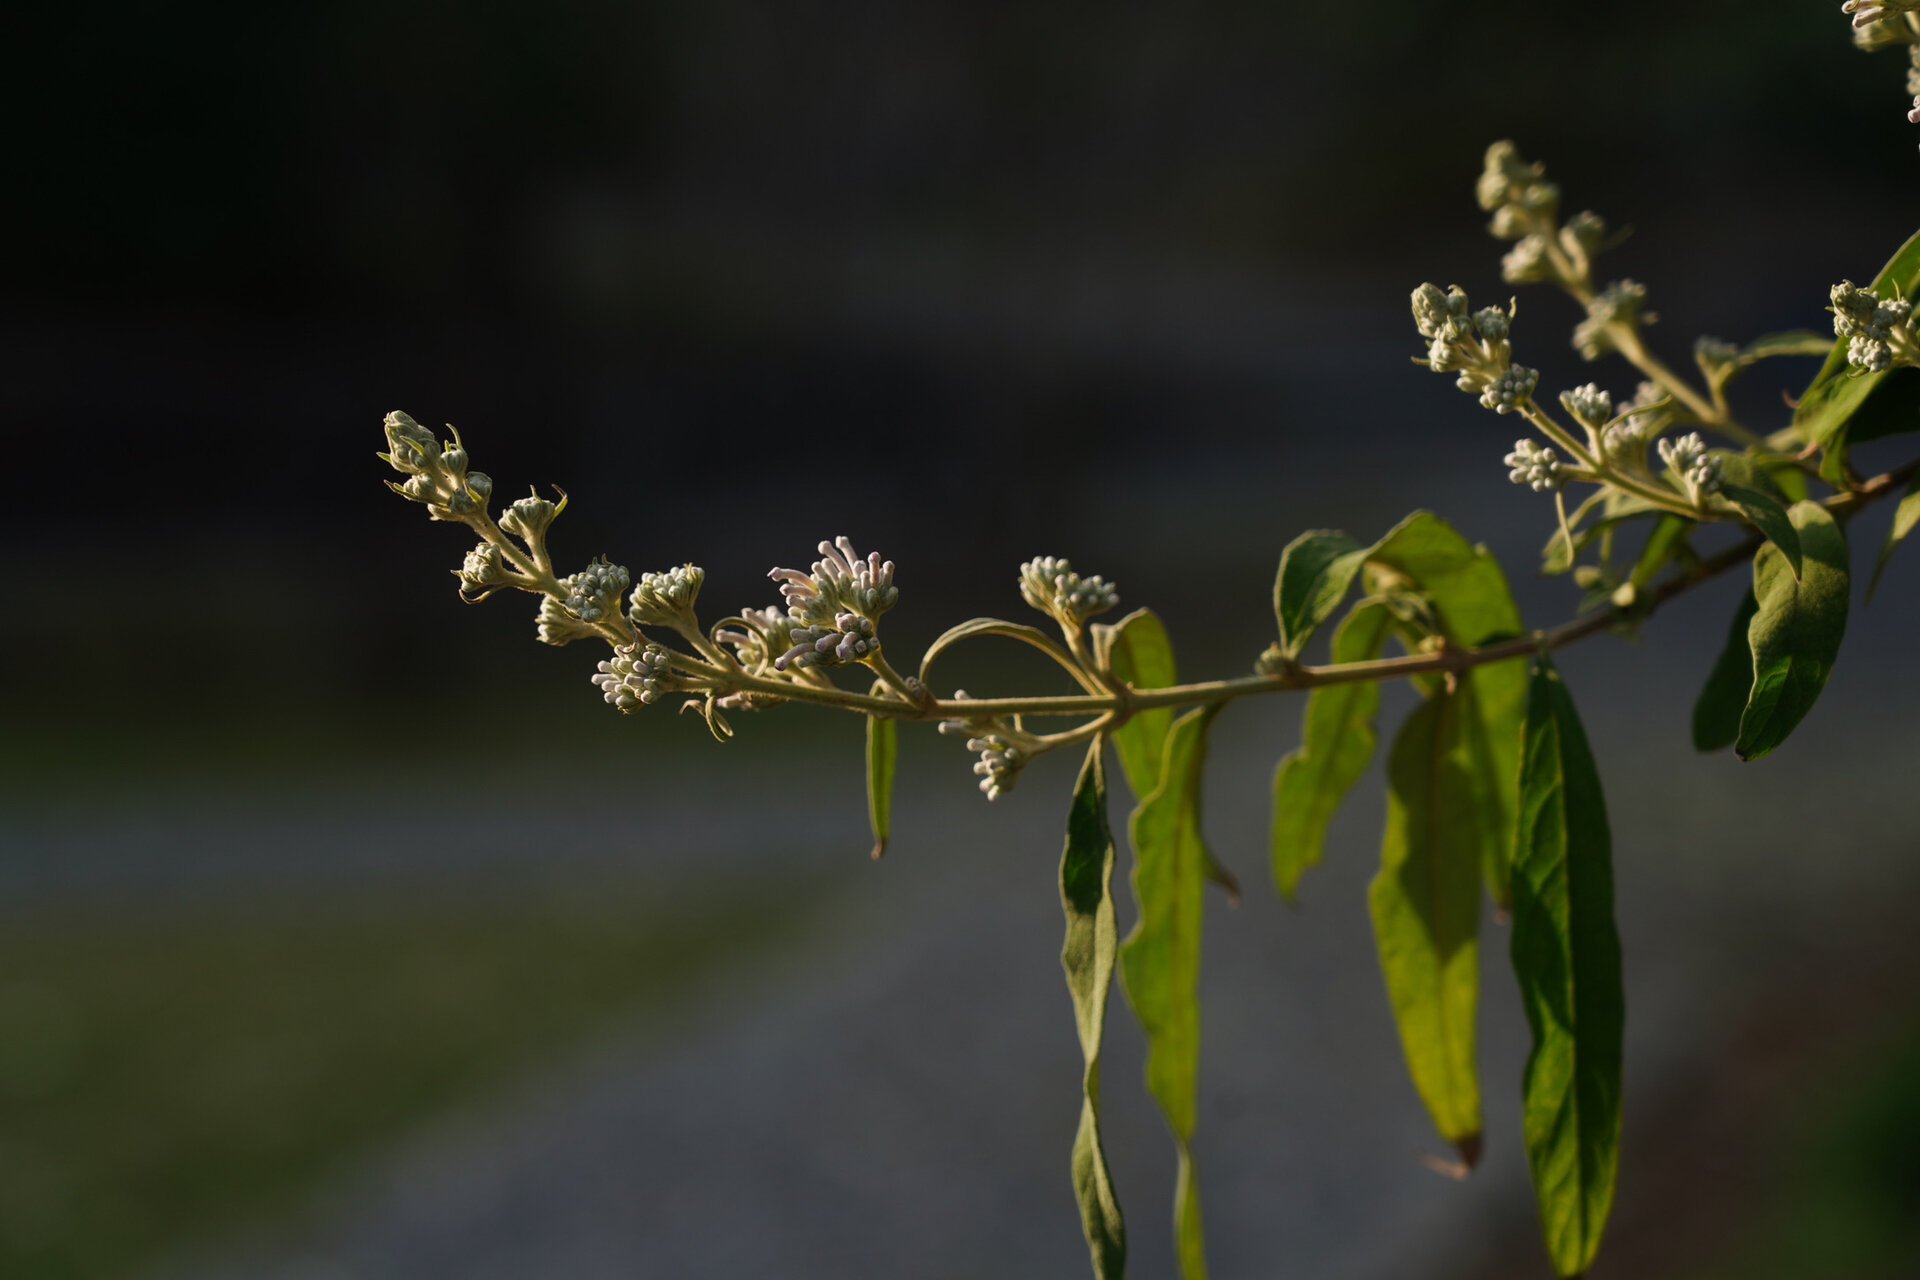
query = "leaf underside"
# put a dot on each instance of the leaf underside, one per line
(1088, 956)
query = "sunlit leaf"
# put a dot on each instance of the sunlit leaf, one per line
(883, 749)
(1140, 655)
(1425, 903)
(1716, 714)
(1765, 513)
(1796, 633)
(1566, 954)
(1316, 571)
(1336, 743)
(1088, 956)
(1160, 960)
(1469, 595)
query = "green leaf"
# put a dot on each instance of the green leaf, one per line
(1716, 714)
(1088, 956)
(1905, 517)
(1140, 655)
(1558, 555)
(883, 750)
(1336, 744)
(1795, 635)
(1425, 904)
(1566, 954)
(1469, 594)
(1160, 960)
(1316, 571)
(1836, 393)
(1764, 513)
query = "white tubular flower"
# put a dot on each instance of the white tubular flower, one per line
(840, 582)
(1535, 466)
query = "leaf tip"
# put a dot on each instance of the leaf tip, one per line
(879, 849)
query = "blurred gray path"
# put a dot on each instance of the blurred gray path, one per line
(899, 1098)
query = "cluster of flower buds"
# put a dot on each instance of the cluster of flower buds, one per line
(1049, 584)
(1621, 305)
(1535, 466)
(482, 573)
(1688, 459)
(1525, 209)
(529, 518)
(1589, 406)
(1473, 344)
(849, 640)
(666, 599)
(437, 474)
(555, 626)
(594, 593)
(1879, 330)
(1001, 759)
(635, 677)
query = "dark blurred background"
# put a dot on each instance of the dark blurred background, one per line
(345, 934)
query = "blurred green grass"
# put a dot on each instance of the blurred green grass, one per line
(169, 1078)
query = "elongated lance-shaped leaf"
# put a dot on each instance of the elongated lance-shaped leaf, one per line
(1795, 635)
(883, 750)
(1905, 517)
(1088, 956)
(1139, 654)
(1716, 714)
(1316, 571)
(1566, 954)
(1160, 960)
(1837, 393)
(1469, 594)
(1425, 904)
(1336, 744)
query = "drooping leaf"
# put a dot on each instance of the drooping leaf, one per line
(1469, 595)
(1088, 955)
(1765, 513)
(1905, 517)
(1336, 743)
(1566, 954)
(1425, 903)
(1795, 635)
(1316, 571)
(883, 750)
(1138, 653)
(1837, 393)
(1716, 714)
(1160, 960)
